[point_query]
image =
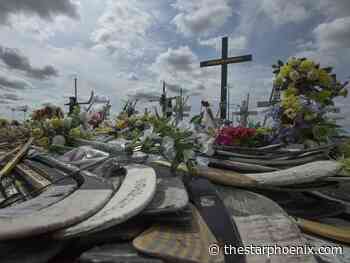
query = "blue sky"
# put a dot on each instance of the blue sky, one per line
(127, 47)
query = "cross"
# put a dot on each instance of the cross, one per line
(244, 112)
(73, 101)
(224, 61)
(181, 108)
(275, 97)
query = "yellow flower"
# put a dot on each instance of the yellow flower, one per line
(278, 81)
(313, 75)
(291, 90)
(306, 65)
(121, 124)
(285, 70)
(290, 113)
(56, 123)
(37, 133)
(75, 133)
(43, 142)
(324, 78)
(294, 75)
(263, 130)
(291, 102)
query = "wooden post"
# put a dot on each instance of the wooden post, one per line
(224, 61)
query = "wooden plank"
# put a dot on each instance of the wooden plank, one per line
(174, 243)
(135, 193)
(7, 155)
(322, 195)
(32, 177)
(51, 196)
(171, 195)
(86, 201)
(16, 159)
(342, 192)
(333, 232)
(239, 167)
(279, 163)
(124, 232)
(305, 205)
(274, 149)
(261, 222)
(216, 175)
(306, 173)
(221, 61)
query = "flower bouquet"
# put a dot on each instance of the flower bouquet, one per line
(241, 136)
(307, 95)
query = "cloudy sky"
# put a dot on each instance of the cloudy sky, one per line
(123, 48)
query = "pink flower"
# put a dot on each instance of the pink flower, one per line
(232, 135)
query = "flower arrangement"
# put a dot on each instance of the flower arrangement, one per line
(96, 119)
(158, 135)
(234, 135)
(48, 112)
(241, 136)
(131, 126)
(50, 121)
(307, 95)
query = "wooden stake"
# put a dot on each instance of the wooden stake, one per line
(32, 177)
(9, 154)
(16, 159)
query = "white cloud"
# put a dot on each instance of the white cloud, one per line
(235, 44)
(283, 12)
(201, 17)
(334, 34)
(333, 8)
(181, 65)
(124, 29)
(39, 29)
(330, 39)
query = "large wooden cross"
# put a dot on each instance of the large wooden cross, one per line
(224, 61)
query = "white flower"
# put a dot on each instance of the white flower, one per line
(313, 75)
(294, 75)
